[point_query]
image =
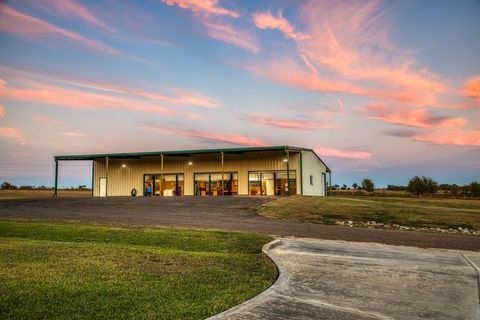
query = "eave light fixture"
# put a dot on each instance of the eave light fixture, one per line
(190, 163)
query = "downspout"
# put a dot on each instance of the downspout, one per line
(93, 176)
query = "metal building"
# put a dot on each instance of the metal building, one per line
(277, 170)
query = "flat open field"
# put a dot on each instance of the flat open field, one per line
(62, 270)
(412, 212)
(19, 194)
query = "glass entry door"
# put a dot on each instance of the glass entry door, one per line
(271, 183)
(210, 184)
(166, 185)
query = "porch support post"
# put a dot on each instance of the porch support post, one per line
(161, 178)
(287, 154)
(106, 176)
(55, 193)
(222, 175)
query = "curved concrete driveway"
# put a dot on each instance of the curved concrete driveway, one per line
(322, 279)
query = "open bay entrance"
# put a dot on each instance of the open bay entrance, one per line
(210, 184)
(272, 183)
(165, 185)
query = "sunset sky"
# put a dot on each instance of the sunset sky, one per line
(380, 89)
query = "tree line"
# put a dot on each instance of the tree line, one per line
(419, 186)
(9, 186)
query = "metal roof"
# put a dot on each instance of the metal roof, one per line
(183, 153)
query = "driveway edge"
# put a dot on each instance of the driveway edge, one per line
(262, 296)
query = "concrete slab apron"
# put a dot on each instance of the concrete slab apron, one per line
(322, 279)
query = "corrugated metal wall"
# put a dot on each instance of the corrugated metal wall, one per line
(312, 166)
(121, 180)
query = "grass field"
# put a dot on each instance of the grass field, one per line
(67, 270)
(412, 212)
(16, 194)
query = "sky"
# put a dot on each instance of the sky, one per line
(379, 89)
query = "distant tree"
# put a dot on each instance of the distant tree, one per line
(422, 185)
(368, 185)
(392, 187)
(344, 187)
(455, 190)
(474, 189)
(431, 185)
(336, 187)
(416, 186)
(7, 185)
(354, 185)
(26, 187)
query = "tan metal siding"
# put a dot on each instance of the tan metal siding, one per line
(121, 180)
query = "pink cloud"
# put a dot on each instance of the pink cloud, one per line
(82, 93)
(193, 98)
(73, 98)
(173, 96)
(472, 88)
(71, 9)
(265, 20)
(11, 133)
(205, 135)
(287, 72)
(339, 105)
(202, 6)
(286, 123)
(350, 41)
(456, 137)
(177, 96)
(420, 118)
(20, 24)
(337, 153)
(46, 120)
(310, 66)
(74, 134)
(2, 112)
(230, 34)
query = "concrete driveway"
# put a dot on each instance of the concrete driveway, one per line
(322, 279)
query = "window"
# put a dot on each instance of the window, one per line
(311, 180)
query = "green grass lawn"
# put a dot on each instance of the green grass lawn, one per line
(413, 212)
(62, 270)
